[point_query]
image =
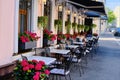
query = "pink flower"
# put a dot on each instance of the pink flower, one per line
(47, 72)
(28, 36)
(37, 73)
(36, 76)
(35, 61)
(24, 63)
(31, 66)
(26, 68)
(38, 67)
(42, 62)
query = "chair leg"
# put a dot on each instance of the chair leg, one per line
(69, 77)
(82, 67)
(80, 71)
(65, 78)
(86, 61)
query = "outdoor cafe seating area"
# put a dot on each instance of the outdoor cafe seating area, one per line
(62, 59)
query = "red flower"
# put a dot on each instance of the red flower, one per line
(38, 67)
(26, 68)
(24, 63)
(35, 61)
(31, 66)
(36, 76)
(28, 36)
(47, 72)
(42, 62)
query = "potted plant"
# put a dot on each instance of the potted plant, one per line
(74, 25)
(61, 38)
(27, 40)
(58, 23)
(93, 25)
(31, 70)
(42, 21)
(48, 37)
(79, 27)
(95, 34)
(86, 28)
(82, 27)
(68, 26)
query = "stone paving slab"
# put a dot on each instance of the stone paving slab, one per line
(106, 64)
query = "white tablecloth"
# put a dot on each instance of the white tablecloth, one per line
(59, 51)
(72, 46)
(79, 43)
(47, 60)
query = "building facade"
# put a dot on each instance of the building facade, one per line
(117, 15)
(18, 16)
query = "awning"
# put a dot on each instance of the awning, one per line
(90, 5)
(92, 14)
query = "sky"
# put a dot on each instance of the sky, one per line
(112, 4)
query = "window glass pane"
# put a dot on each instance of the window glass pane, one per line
(25, 15)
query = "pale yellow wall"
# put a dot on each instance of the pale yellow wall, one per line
(117, 14)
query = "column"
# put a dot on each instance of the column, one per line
(16, 12)
(63, 20)
(71, 20)
(34, 15)
(52, 15)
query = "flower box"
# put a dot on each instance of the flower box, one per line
(27, 45)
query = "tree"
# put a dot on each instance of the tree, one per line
(111, 16)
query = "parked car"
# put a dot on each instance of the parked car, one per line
(112, 30)
(117, 32)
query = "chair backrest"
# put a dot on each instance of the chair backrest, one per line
(67, 63)
(24, 57)
(47, 51)
(77, 39)
(39, 51)
(71, 41)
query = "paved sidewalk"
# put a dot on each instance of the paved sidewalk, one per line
(106, 64)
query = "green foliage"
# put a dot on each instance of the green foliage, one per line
(29, 70)
(79, 27)
(68, 26)
(82, 27)
(42, 21)
(58, 23)
(111, 16)
(93, 25)
(74, 25)
(86, 28)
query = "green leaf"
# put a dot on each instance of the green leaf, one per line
(43, 21)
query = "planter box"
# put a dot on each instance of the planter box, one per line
(47, 42)
(27, 45)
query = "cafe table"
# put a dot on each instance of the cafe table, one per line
(59, 51)
(47, 60)
(78, 43)
(72, 46)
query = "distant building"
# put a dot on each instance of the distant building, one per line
(101, 1)
(117, 14)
